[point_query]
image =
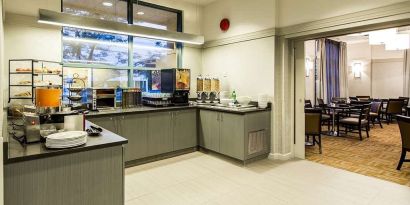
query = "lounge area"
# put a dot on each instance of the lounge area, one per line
(357, 113)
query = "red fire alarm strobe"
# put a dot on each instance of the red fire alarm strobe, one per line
(224, 25)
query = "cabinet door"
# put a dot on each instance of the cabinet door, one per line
(134, 128)
(232, 135)
(107, 122)
(184, 129)
(209, 130)
(159, 133)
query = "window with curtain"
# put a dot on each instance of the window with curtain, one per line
(93, 48)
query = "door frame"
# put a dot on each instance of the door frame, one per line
(288, 119)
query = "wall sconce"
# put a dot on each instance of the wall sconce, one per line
(357, 68)
(308, 66)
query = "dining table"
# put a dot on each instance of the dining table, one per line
(334, 109)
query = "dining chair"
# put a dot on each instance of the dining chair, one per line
(363, 98)
(394, 107)
(339, 100)
(404, 126)
(308, 104)
(326, 114)
(321, 102)
(360, 123)
(405, 104)
(375, 112)
(313, 126)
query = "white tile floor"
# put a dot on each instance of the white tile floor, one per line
(199, 178)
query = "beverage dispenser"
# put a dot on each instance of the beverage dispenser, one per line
(177, 82)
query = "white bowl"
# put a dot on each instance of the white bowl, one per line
(244, 100)
(226, 101)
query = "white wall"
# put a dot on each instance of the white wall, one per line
(382, 75)
(291, 12)
(245, 17)
(387, 72)
(359, 52)
(245, 67)
(387, 79)
(310, 80)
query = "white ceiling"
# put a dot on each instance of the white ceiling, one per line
(351, 39)
(364, 37)
(200, 2)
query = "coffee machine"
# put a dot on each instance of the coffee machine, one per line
(177, 82)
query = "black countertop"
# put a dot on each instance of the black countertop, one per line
(14, 152)
(142, 109)
(145, 109)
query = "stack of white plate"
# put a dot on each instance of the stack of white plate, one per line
(263, 100)
(66, 139)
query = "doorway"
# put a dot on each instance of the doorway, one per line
(373, 73)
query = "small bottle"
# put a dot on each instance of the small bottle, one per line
(234, 96)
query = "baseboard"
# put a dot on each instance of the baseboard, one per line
(278, 156)
(159, 157)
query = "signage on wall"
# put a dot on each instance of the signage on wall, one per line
(224, 25)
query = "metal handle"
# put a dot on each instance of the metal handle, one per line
(217, 116)
(222, 117)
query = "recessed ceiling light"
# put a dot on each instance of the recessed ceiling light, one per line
(106, 3)
(140, 13)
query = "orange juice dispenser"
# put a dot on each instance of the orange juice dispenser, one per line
(48, 104)
(48, 99)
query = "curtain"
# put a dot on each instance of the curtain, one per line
(343, 80)
(332, 69)
(320, 66)
(406, 80)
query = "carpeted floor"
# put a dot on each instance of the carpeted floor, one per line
(376, 156)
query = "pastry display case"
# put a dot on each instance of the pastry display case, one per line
(27, 74)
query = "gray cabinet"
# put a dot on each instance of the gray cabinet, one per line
(232, 135)
(82, 178)
(184, 129)
(153, 133)
(108, 123)
(239, 136)
(160, 137)
(209, 129)
(134, 128)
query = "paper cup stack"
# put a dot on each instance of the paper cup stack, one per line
(263, 100)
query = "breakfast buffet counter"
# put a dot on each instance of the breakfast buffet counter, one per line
(65, 176)
(146, 109)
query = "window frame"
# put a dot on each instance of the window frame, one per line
(130, 19)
